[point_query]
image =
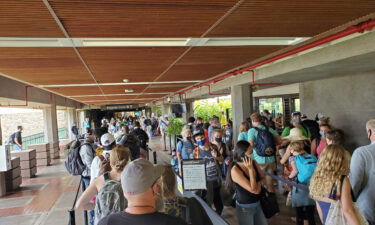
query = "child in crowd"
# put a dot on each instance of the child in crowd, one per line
(303, 166)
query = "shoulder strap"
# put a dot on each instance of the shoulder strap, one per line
(101, 157)
(243, 172)
(106, 176)
(351, 190)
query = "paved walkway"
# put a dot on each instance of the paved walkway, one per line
(46, 199)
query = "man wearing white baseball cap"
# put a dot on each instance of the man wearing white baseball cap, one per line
(141, 182)
(108, 142)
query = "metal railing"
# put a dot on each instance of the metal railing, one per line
(39, 138)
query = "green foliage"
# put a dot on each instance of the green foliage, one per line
(158, 111)
(175, 126)
(205, 109)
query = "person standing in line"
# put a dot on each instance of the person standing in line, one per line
(245, 177)
(141, 183)
(330, 184)
(75, 130)
(362, 174)
(212, 160)
(108, 142)
(266, 163)
(119, 158)
(244, 128)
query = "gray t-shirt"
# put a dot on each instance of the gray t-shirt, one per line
(156, 218)
(362, 179)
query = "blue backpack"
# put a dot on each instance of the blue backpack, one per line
(265, 143)
(306, 165)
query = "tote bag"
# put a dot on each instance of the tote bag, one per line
(336, 216)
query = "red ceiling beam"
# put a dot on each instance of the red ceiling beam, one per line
(359, 28)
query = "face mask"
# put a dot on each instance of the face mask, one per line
(218, 140)
(322, 133)
(202, 142)
(296, 121)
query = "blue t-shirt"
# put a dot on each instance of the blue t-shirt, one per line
(185, 148)
(242, 136)
(252, 136)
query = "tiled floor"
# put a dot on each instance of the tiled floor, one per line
(46, 199)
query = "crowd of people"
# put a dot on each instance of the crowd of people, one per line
(308, 152)
(124, 188)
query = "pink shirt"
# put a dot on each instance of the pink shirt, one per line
(322, 145)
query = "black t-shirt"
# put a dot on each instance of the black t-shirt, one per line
(123, 218)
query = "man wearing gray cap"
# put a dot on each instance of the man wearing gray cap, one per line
(141, 182)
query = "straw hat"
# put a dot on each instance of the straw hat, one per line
(295, 135)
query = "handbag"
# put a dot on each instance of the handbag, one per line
(72, 218)
(335, 214)
(268, 201)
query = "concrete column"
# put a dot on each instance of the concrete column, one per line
(165, 109)
(72, 118)
(241, 96)
(50, 123)
(189, 112)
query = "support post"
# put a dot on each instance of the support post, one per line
(72, 118)
(242, 105)
(50, 123)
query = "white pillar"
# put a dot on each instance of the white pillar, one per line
(72, 118)
(165, 109)
(50, 123)
(241, 96)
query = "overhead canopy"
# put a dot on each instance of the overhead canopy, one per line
(160, 47)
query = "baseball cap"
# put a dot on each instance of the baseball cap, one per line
(107, 139)
(139, 175)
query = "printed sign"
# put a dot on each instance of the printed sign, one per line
(194, 174)
(5, 159)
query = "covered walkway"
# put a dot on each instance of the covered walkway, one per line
(46, 199)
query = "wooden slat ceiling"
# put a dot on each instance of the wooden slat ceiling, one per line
(139, 18)
(138, 64)
(72, 91)
(26, 18)
(43, 65)
(283, 18)
(151, 18)
(202, 63)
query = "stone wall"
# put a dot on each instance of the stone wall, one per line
(348, 101)
(32, 122)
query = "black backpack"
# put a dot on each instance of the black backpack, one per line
(133, 143)
(11, 139)
(74, 164)
(265, 143)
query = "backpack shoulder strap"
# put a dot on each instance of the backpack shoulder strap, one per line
(106, 176)
(101, 157)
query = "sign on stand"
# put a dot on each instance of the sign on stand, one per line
(193, 174)
(5, 158)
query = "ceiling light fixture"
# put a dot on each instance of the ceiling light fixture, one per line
(125, 80)
(129, 90)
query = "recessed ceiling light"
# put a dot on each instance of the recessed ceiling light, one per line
(129, 90)
(125, 80)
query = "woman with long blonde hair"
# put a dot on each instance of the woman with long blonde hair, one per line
(330, 184)
(119, 158)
